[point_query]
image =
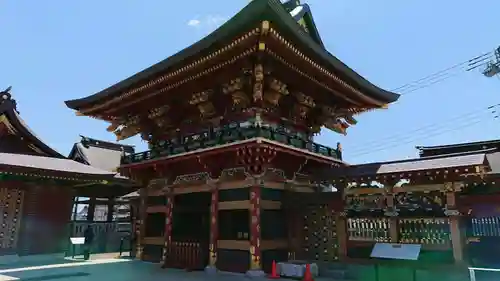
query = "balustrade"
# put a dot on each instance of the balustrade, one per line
(430, 231)
(228, 135)
(368, 229)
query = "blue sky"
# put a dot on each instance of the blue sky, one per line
(52, 51)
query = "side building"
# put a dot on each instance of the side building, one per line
(37, 186)
(230, 122)
(480, 202)
(106, 211)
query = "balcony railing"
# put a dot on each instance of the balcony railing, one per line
(230, 135)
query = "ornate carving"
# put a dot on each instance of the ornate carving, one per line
(255, 158)
(337, 126)
(365, 203)
(192, 178)
(158, 111)
(201, 101)
(303, 106)
(276, 90)
(206, 109)
(258, 85)
(235, 89)
(305, 100)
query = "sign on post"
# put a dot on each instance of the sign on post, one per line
(77, 240)
(396, 251)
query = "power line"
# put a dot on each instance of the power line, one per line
(467, 63)
(429, 131)
(470, 124)
(433, 126)
(445, 74)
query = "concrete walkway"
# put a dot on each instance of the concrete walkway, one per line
(111, 269)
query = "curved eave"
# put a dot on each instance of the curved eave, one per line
(248, 17)
(7, 109)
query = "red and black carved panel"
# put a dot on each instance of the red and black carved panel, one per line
(255, 158)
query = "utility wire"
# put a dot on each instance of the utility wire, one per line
(466, 125)
(441, 125)
(415, 137)
(444, 74)
(430, 130)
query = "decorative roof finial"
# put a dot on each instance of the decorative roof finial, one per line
(5, 95)
(7, 91)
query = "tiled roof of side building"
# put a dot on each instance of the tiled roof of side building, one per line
(412, 165)
(50, 164)
(100, 154)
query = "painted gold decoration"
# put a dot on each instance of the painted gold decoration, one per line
(238, 96)
(201, 97)
(258, 82)
(276, 90)
(158, 111)
(305, 100)
(206, 109)
(113, 126)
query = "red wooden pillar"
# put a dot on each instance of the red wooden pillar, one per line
(255, 254)
(168, 227)
(141, 222)
(214, 226)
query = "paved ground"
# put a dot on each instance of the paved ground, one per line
(110, 269)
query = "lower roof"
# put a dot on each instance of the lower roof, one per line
(50, 164)
(411, 165)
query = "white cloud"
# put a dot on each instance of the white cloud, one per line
(194, 22)
(210, 21)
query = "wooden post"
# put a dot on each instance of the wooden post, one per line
(454, 219)
(391, 212)
(91, 209)
(255, 211)
(169, 216)
(111, 209)
(341, 222)
(214, 226)
(393, 221)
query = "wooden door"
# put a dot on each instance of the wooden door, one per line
(11, 202)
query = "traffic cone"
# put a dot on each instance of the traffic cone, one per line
(274, 273)
(307, 274)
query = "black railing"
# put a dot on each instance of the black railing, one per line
(230, 135)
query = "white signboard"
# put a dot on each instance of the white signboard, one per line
(77, 240)
(396, 251)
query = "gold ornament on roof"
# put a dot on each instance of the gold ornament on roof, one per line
(258, 85)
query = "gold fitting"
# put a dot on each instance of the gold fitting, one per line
(262, 46)
(265, 26)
